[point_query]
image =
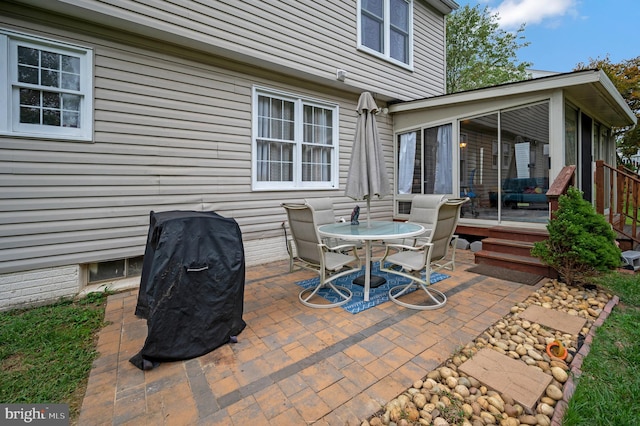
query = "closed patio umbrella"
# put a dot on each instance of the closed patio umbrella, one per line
(367, 172)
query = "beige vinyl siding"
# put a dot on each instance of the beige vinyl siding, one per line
(429, 53)
(170, 134)
(304, 38)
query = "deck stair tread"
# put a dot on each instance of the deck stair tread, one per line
(518, 234)
(502, 245)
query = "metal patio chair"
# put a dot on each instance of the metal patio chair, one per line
(411, 261)
(330, 262)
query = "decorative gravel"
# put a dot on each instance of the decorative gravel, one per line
(445, 396)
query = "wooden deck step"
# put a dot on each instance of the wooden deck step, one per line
(521, 248)
(515, 262)
(518, 234)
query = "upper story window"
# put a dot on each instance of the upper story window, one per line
(385, 29)
(47, 86)
(295, 142)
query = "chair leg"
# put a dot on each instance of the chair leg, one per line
(435, 298)
(341, 293)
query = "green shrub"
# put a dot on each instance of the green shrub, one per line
(581, 243)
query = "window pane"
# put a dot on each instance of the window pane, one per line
(307, 114)
(50, 78)
(400, 15)
(263, 127)
(287, 130)
(70, 81)
(70, 64)
(70, 119)
(50, 60)
(308, 133)
(372, 34)
(374, 7)
(288, 111)
(134, 266)
(399, 47)
(263, 106)
(276, 129)
(328, 136)
(28, 56)
(27, 75)
(50, 100)
(29, 97)
(29, 115)
(409, 163)
(51, 117)
(106, 270)
(71, 102)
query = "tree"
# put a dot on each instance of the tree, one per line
(626, 77)
(479, 52)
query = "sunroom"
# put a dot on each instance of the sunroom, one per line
(503, 146)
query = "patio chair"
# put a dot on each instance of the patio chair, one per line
(330, 262)
(411, 261)
(323, 214)
(424, 211)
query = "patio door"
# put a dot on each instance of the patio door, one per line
(504, 164)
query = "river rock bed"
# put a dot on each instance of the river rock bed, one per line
(446, 396)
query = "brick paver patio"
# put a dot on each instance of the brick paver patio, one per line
(293, 365)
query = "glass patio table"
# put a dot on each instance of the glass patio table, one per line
(368, 232)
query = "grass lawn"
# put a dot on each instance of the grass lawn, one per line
(607, 390)
(46, 353)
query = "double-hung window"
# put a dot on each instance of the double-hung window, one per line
(47, 87)
(295, 142)
(385, 29)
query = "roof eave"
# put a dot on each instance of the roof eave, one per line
(595, 78)
(444, 6)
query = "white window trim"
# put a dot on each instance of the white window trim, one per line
(297, 183)
(9, 112)
(387, 40)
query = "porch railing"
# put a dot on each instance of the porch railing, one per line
(565, 179)
(622, 190)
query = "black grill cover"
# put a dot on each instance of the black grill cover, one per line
(192, 286)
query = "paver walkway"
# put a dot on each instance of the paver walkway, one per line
(293, 365)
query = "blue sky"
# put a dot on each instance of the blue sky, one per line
(563, 33)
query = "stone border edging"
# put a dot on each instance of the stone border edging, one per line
(576, 363)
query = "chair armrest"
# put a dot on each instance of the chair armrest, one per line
(406, 247)
(340, 247)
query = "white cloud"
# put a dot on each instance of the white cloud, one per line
(515, 12)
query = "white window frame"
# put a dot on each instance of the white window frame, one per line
(9, 85)
(386, 53)
(296, 183)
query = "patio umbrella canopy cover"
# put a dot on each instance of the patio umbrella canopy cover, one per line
(367, 172)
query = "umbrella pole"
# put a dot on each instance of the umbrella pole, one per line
(369, 280)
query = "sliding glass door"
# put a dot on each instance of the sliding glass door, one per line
(504, 164)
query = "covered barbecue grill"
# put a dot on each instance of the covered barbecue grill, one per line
(192, 286)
